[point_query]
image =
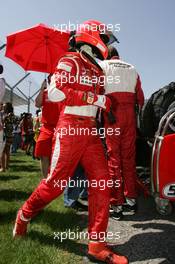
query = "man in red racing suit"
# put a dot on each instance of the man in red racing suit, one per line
(124, 90)
(73, 83)
(49, 119)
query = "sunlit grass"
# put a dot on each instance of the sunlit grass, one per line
(39, 247)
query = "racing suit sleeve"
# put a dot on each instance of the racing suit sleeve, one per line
(61, 87)
(139, 93)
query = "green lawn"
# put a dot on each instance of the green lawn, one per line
(39, 246)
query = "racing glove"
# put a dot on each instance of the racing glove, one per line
(101, 101)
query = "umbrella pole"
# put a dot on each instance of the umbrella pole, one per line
(28, 109)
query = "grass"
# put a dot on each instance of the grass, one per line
(39, 247)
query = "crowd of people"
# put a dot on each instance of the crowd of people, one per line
(54, 137)
(16, 132)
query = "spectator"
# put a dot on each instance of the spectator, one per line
(75, 194)
(16, 136)
(2, 92)
(2, 84)
(8, 122)
(37, 124)
(36, 128)
(2, 140)
(27, 132)
(49, 119)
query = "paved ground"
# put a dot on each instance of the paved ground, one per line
(147, 237)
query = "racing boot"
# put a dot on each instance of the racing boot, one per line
(20, 228)
(99, 251)
(29, 209)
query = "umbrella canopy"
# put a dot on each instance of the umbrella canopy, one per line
(37, 48)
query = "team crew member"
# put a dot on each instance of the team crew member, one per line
(2, 85)
(26, 126)
(2, 93)
(124, 90)
(81, 99)
(49, 119)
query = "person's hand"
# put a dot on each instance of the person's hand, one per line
(101, 101)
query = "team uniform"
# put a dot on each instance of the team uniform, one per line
(75, 83)
(69, 150)
(124, 90)
(49, 119)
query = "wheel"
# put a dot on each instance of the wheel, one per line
(172, 122)
(163, 207)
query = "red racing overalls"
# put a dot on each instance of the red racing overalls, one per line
(123, 87)
(71, 147)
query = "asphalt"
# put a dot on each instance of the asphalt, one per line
(146, 237)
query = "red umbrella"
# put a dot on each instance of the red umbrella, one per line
(37, 48)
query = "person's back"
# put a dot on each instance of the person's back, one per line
(122, 83)
(8, 122)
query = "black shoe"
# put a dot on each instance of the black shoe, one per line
(83, 201)
(84, 198)
(130, 208)
(116, 215)
(79, 206)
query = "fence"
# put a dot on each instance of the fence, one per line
(21, 87)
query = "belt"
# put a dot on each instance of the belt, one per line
(85, 110)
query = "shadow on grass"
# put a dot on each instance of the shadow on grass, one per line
(70, 246)
(8, 178)
(10, 195)
(25, 168)
(61, 221)
(8, 217)
(56, 220)
(12, 161)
